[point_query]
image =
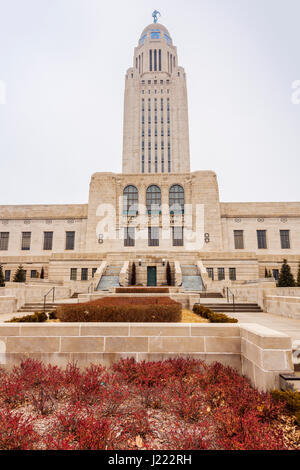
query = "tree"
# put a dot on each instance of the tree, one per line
(133, 275)
(169, 275)
(266, 272)
(2, 279)
(286, 278)
(20, 274)
(298, 275)
(42, 273)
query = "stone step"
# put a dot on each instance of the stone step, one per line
(224, 308)
(107, 282)
(190, 283)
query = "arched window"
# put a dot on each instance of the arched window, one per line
(130, 200)
(153, 199)
(176, 199)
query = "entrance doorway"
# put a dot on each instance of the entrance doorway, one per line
(151, 276)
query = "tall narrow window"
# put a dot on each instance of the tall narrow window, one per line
(176, 199)
(73, 274)
(261, 239)
(7, 275)
(130, 200)
(150, 60)
(84, 274)
(238, 239)
(177, 233)
(4, 238)
(48, 240)
(153, 199)
(26, 240)
(159, 60)
(70, 240)
(129, 236)
(210, 273)
(153, 236)
(221, 274)
(275, 274)
(232, 274)
(285, 239)
(155, 60)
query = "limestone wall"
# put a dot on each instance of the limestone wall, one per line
(283, 306)
(259, 353)
(265, 354)
(7, 304)
(32, 293)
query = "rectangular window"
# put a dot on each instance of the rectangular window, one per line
(275, 274)
(129, 236)
(210, 272)
(94, 270)
(33, 274)
(232, 274)
(285, 239)
(4, 237)
(7, 275)
(26, 239)
(177, 233)
(48, 239)
(84, 274)
(238, 239)
(221, 274)
(261, 239)
(70, 240)
(73, 274)
(153, 236)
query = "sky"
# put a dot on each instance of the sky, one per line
(62, 70)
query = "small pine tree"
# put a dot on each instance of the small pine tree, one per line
(298, 275)
(133, 275)
(266, 272)
(42, 273)
(2, 279)
(169, 275)
(20, 275)
(286, 278)
(270, 273)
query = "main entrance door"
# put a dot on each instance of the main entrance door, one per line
(151, 275)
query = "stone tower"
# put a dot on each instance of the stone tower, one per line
(156, 130)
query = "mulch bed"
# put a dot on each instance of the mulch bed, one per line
(178, 404)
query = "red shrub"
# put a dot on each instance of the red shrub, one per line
(16, 432)
(246, 432)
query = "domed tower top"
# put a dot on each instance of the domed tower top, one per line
(156, 134)
(155, 32)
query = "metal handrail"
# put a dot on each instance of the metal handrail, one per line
(233, 298)
(46, 295)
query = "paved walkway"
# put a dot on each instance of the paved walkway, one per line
(289, 326)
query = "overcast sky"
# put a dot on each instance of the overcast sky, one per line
(63, 64)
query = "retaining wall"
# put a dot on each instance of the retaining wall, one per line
(258, 352)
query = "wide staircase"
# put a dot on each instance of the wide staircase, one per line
(32, 307)
(191, 279)
(110, 277)
(230, 308)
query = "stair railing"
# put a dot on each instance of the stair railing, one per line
(46, 295)
(229, 292)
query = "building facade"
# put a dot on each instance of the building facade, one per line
(156, 211)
